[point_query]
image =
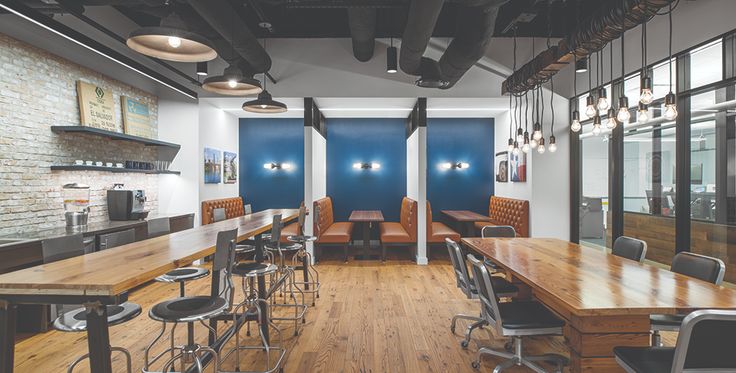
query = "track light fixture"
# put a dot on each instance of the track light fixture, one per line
(391, 59)
(171, 41)
(581, 65)
(202, 68)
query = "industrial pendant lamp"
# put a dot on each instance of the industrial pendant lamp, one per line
(232, 83)
(575, 126)
(670, 101)
(596, 125)
(202, 68)
(527, 144)
(590, 109)
(391, 59)
(533, 142)
(642, 114)
(646, 96)
(623, 114)
(611, 115)
(602, 96)
(265, 104)
(171, 41)
(581, 65)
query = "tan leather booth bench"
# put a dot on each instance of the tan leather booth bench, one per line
(437, 232)
(329, 232)
(403, 233)
(508, 211)
(233, 208)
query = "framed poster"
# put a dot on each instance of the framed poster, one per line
(517, 167)
(96, 107)
(136, 118)
(212, 166)
(502, 167)
(230, 167)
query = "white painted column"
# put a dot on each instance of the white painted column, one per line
(308, 195)
(421, 175)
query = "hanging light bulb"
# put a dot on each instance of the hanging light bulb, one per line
(526, 147)
(646, 95)
(596, 125)
(611, 120)
(511, 145)
(552, 144)
(575, 126)
(540, 147)
(520, 135)
(533, 143)
(670, 107)
(623, 115)
(516, 147)
(537, 135)
(602, 100)
(590, 106)
(642, 114)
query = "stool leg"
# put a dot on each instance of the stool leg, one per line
(182, 290)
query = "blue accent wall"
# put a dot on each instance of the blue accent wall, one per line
(276, 140)
(460, 140)
(381, 140)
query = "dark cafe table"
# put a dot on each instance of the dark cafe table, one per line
(367, 218)
(465, 220)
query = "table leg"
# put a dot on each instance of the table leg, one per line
(366, 238)
(592, 339)
(8, 313)
(263, 307)
(98, 338)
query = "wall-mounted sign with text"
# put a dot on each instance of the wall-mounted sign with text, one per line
(96, 106)
(136, 118)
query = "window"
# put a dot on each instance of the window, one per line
(661, 79)
(594, 199)
(706, 64)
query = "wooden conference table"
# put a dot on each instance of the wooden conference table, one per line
(605, 300)
(104, 278)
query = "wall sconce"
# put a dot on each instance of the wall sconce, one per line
(366, 166)
(453, 166)
(277, 166)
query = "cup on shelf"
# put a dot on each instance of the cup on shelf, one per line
(98, 163)
(89, 163)
(79, 162)
(119, 165)
(108, 164)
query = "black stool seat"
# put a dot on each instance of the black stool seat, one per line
(188, 309)
(284, 247)
(501, 286)
(666, 320)
(76, 320)
(250, 269)
(301, 239)
(183, 274)
(646, 359)
(528, 315)
(244, 249)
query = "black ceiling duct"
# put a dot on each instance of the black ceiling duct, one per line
(362, 23)
(420, 23)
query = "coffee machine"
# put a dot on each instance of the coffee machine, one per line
(126, 204)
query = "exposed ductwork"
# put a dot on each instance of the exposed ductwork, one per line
(224, 19)
(420, 23)
(363, 31)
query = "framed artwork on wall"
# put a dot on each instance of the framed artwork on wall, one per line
(212, 166)
(517, 167)
(230, 167)
(136, 118)
(502, 167)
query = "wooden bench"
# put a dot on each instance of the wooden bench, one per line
(508, 211)
(403, 233)
(329, 232)
(233, 208)
(437, 232)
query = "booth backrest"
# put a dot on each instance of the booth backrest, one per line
(233, 208)
(323, 218)
(429, 220)
(509, 211)
(408, 218)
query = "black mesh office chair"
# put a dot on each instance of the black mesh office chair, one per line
(468, 287)
(630, 248)
(76, 319)
(702, 267)
(515, 319)
(705, 344)
(193, 309)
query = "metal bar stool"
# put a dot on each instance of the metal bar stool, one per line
(193, 309)
(302, 259)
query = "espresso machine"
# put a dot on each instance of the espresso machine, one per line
(126, 204)
(76, 204)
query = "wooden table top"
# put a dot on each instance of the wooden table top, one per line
(111, 272)
(465, 215)
(582, 281)
(358, 216)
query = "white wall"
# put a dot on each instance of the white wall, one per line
(510, 189)
(219, 130)
(315, 175)
(412, 166)
(179, 123)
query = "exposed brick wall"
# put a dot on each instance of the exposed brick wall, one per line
(38, 90)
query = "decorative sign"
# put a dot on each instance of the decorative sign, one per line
(502, 164)
(96, 106)
(518, 167)
(212, 166)
(230, 167)
(136, 118)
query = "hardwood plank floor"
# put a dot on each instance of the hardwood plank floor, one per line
(391, 317)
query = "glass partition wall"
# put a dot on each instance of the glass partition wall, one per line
(669, 183)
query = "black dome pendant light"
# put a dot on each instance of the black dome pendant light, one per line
(171, 41)
(265, 104)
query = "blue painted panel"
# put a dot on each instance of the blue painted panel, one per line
(380, 140)
(460, 140)
(271, 140)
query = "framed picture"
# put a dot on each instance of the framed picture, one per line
(136, 118)
(502, 167)
(96, 106)
(517, 167)
(212, 166)
(230, 167)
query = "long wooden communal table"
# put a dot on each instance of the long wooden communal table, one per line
(605, 300)
(104, 277)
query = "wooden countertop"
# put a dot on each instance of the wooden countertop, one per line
(581, 281)
(358, 216)
(465, 215)
(113, 271)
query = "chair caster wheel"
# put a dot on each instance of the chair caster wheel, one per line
(452, 329)
(304, 321)
(509, 346)
(475, 365)
(317, 296)
(296, 334)
(247, 334)
(464, 344)
(313, 304)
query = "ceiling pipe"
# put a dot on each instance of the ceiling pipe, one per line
(221, 15)
(362, 23)
(420, 23)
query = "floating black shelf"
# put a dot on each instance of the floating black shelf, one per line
(113, 135)
(75, 167)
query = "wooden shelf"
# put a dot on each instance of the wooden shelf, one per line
(113, 135)
(110, 169)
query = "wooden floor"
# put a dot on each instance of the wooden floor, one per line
(391, 317)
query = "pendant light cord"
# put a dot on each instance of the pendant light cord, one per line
(669, 16)
(526, 110)
(623, 49)
(644, 44)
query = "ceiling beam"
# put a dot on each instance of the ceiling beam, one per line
(604, 26)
